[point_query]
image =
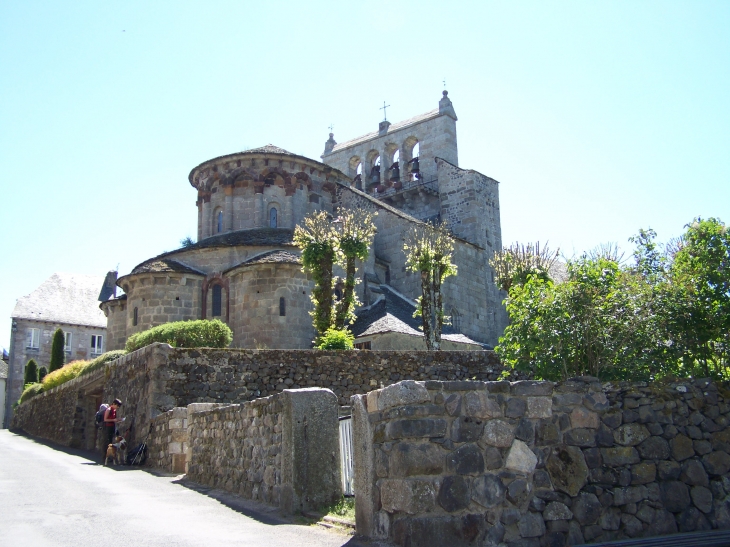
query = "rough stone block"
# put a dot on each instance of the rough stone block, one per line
(531, 525)
(410, 496)
(520, 458)
(539, 407)
(616, 457)
(681, 447)
(581, 417)
(466, 460)
(479, 405)
(515, 407)
(454, 493)
(557, 511)
(586, 509)
(420, 427)
(488, 490)
(498, 433)
(407, 392)
(409, 459)
(585, 438)
(631, 434)
(674, 495)
(531, 387)
(567, 468)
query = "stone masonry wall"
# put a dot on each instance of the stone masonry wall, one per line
(158, 378)
(234, 376)
(281, 450)
(540, 464)
(168, 441)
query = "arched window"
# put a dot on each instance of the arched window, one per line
(219, 222)
(134, 317)
(282, 306)
(273, 218)
(217, 301)
(456, 319)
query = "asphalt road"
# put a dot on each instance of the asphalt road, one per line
(57, 497)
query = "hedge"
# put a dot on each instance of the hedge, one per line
(63, 374)
(31, 390)
(102, 360)
(202, 333)
(336, 339)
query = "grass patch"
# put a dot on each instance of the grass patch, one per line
(344, 509)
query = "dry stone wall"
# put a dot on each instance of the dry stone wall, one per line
(168, 441)
(281, 450)
(234, 376)
(540, 464)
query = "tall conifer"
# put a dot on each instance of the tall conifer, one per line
(57, 355)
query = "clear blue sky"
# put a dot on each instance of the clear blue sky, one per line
(598, 118)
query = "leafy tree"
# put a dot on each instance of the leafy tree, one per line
(318, 242)
(515, 263)
(31, 372)
(325, 243)
(187, 242)
(697, 298)
(354, 238)
(429, 250)
(42, 372)
(57, 353)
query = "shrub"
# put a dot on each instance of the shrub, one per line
(31, 390)
(57, 354)
(336, 339)
(203, 333)
(102, 360)
(31, 373)
(63, 374)
(42, 372)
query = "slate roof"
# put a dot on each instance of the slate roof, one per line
(268, 149)
(393, 127)
(393, 313)
(165, 265)
(255, 237)
(270, 257)
(64, 298)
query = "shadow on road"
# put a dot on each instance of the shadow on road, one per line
(258, 511)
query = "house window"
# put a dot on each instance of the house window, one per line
(97, 341)
(33, 338)
(363, 345)
(217, 300)
(67, 342)
(282, 306)
(219, 222)
(273, 221)
(134, 317)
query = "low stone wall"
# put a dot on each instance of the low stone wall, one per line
(282, 450)
(536, 463)
(168, 441)
(238, 375)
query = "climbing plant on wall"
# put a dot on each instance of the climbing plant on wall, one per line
(429, 249)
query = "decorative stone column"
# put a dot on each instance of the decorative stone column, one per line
(229, 209)
(199, 204)
(206, 215)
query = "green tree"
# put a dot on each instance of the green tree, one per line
(318, 242)
(31, 373)
(42, 372)
(57, 351)
(354, 238)
(515, 263)
(697, 298)
(428, 251)
(325, 243)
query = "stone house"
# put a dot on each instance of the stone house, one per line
(245, 269)
(66, 301)
(3, 384)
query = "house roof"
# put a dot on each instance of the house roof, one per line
(64, 298)
(154, 265)
(268, 149)
(269, 257)
(393, 313)
(3, 370)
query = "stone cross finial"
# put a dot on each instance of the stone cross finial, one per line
(385, 116)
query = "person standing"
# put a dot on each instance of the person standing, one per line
(110, 423)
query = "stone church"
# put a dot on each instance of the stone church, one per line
(245, 269)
